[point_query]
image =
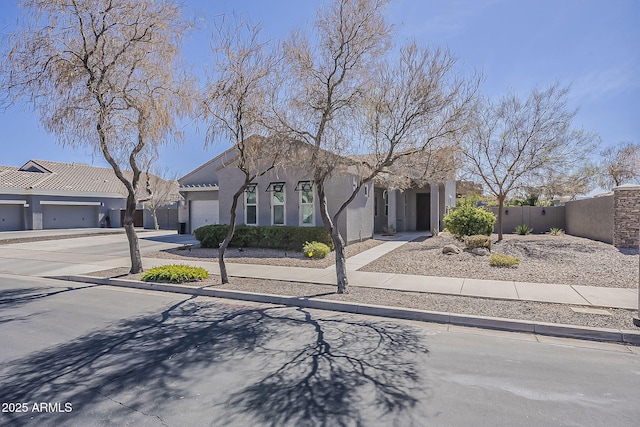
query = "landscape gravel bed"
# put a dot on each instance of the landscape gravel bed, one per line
(520, 310)
(562, 259)
(261, 256)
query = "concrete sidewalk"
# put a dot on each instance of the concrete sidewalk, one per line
(88, 254)
(391, 243)
(507, 290)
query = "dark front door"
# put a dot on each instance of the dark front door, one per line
(423, 211)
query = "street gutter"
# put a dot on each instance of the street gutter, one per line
(621, 336)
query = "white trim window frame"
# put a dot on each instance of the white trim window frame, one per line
(307, 207)
(251, 205)
(278, 207)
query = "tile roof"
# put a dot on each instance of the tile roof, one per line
(72, 177)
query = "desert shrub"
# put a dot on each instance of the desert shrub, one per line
(556, 231)
(263, 236)
(502, 260)
(468, 220)
(315, 250)
(174, 273)
(523, 229)
(477, 241)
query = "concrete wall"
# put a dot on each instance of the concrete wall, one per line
(167, 218)
(540, 219)
(591, 218)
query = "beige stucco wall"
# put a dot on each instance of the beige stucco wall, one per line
(591, 218)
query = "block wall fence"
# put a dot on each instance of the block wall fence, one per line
(613, 219)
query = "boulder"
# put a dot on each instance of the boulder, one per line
(451, 249)
(480, 251)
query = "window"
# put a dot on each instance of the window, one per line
(306, 207)
(375, 205)
(251, 205)
(277, 206)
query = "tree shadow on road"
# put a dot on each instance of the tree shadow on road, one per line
(311, 370)
(343, 368)
(11, 298)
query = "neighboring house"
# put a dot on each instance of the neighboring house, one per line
(51, 195)
(288, 197)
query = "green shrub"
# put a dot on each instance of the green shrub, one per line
(315, 250)
(467, 220)
(274, 237)
(502, 260)
(477, 241)
(523, 229)
(556, 231)
(175, 273)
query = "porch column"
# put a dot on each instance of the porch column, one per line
(449, 195)
(392, 214)
(435, 207)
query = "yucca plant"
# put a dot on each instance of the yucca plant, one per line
(523, 229)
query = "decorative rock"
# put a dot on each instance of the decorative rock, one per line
(480, 251)
(451, 249)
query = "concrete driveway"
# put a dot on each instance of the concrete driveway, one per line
(82, 254)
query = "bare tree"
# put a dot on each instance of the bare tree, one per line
(164, 190)
(570, 183)
(240, 88)
(343, 103)
(102, 74)
(517, 143)
(620, 164)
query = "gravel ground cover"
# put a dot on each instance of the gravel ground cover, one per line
(521, 310)
(543, 258)
(261, 256)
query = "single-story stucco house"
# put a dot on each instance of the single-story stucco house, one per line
(288, 197)
(43, 194)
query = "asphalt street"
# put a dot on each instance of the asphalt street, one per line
(83, 355)
(82, 254)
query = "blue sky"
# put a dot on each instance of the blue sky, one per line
(518, 44)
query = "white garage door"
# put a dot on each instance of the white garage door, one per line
(61, 216)
(203, 212)
(11, 217)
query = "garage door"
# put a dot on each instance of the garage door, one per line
(61, 216)
(11, 217)
(203, 212)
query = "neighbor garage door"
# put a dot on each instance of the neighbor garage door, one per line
(203, 212)
(11, 217)
(64, 216)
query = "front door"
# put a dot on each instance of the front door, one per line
(423, 211)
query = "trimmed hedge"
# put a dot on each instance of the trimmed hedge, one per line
(468, 220)
(174, 273)
(502, 260)
(477, 241)
(263, 236)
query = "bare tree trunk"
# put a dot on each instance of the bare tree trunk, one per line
(155, 219)
(132, 237)
(500, 209)
(227, 240)
(338, 242)
(341, 261)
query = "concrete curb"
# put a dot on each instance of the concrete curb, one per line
(540, 328)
